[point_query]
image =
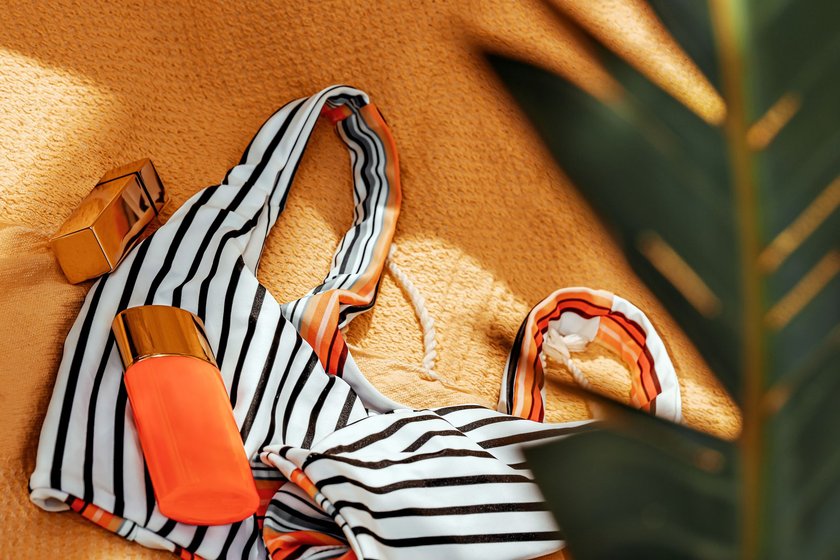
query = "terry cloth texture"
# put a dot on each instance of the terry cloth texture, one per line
(390, 482)
(489, 226)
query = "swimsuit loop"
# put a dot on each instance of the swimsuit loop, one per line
(568, 320)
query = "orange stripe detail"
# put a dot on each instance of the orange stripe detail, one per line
(266, 489)
(283, 545)
(529, 370)
(615, 330)
(319, 324)
(112, 523)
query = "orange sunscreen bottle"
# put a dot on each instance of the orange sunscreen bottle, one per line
(190, 441)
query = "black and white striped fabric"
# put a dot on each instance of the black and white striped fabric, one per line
(373, 478)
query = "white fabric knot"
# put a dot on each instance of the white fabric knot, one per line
(555, 344)
(559, 347)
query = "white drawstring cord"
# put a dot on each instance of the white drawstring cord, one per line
(426, 321)
(559, 348)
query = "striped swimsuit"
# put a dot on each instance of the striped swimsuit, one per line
(342, 470)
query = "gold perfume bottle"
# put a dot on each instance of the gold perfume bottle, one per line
(109, 221)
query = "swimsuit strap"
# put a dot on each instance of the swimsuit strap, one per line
(352, 283)
(351, 286)
(569, 319)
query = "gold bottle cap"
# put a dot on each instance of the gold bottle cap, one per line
(160, 330)
(109, 221)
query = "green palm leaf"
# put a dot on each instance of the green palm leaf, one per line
(734, 228)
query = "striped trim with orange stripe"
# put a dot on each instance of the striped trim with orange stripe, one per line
(352, 284)
(611, 321)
